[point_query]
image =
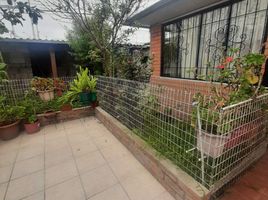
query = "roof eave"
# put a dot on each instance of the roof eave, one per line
(133, 21)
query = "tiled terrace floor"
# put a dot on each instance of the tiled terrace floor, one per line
(253, 185)
(74, 160)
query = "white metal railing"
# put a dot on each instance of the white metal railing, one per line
(15, 90)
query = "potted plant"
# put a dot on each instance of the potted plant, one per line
(31, 122)
(66, 100)
(60, 86)
(44, 87)
(240, 79)
(10, 117)
(50, 109)
(92, 87)
(80, 86)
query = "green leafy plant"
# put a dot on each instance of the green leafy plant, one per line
(10, 113)
(42, 84)
(3, 73)
(92, 83)
(32, 106)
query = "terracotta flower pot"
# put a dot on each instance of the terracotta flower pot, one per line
(212, 145)
(46, 95)
(66, 107)
(59, 93)
(32, 128)
(10, 131)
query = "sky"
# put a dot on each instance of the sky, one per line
(53, 29)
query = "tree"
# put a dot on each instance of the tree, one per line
(102, 20)
(84, 50)
(13, 13)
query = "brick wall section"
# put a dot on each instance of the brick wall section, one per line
(179, 184)
(61, 116)
(155, 50)
(192, 86)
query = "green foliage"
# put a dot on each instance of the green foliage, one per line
(14, 14)
(84, 50)
(84, 82)
(101, 24)
(32, 105)
(9, 113)
(133, 66)
(3, 73)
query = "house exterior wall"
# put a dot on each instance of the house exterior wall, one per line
(155, 50)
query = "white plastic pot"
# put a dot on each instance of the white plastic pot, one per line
(212, 145)
(46, 95)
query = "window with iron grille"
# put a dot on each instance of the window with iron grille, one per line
(193, 46)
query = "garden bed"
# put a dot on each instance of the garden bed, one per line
(166, 120)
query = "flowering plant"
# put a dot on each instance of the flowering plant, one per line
(239, 78)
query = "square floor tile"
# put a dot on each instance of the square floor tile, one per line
(5, 173)
(72, 124)
(30, 151)
(25, 186)
(68, 190)
(48, 128)
(83, 148)
(78, 138)
(58, 156)
(34, 139)
(3, 188)
(115, 152)
(7, 158)
(105, 141)
(125, 167)
(164, 196)
(37, 196)
(11, 145)
(89, 161)
(76, 130)
(60, 173)
(98, 180)
(57, 143)
(52, 135)
(146, 185)
(116, 193)
(28, 166)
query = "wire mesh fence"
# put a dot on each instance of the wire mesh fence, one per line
(211, 146)
(15, 90)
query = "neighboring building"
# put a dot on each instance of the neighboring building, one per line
(26, 58)
(188, 35)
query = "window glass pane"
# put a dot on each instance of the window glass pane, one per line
(188, 47)
(247, 25)
(212, 41)
(170, 50)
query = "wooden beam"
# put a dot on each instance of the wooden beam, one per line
(53, 63)
(266, 48)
